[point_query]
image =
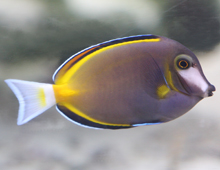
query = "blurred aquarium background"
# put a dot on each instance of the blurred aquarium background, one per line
(36, 36)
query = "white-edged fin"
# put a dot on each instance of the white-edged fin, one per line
(77, 123)
(34, 98)
(143, 124)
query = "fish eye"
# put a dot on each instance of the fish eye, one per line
(183, 63)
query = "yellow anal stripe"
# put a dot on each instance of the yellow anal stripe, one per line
(71, 71)
(42, 97)
(162, 91)
(83, 115)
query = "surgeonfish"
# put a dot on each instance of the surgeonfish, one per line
(121, 83)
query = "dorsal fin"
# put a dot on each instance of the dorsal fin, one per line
(78, 56)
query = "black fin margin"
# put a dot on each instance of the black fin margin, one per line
(84, 122)
(112, 42)
(126, 39)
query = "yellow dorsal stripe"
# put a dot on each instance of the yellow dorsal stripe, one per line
(66, 77)
(81, 114)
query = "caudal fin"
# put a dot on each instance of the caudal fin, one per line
(34, 98)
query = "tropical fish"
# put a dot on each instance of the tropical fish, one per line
(121, 83)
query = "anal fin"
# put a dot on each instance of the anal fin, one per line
(73, 117)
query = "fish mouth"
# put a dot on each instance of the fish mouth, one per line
(210, 90)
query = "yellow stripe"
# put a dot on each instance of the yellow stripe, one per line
(169, 78)
(64, 92)
(42, 97)
(66, 77)
(162, 91)
(81, 114)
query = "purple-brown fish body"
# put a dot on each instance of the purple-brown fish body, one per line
(121, 83)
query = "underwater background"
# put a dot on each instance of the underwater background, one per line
(36, 36)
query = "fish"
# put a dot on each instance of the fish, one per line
(121, 83)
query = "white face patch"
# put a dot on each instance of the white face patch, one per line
(193, 77)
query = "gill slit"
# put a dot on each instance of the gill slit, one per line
(160, 71)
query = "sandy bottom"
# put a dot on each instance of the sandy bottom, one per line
(50, 142)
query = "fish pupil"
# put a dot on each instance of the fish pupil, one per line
(183, 64)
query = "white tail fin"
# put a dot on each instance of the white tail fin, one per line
(34, 98)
